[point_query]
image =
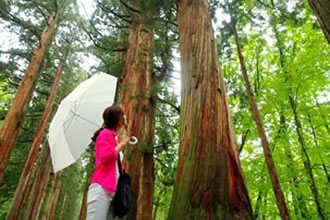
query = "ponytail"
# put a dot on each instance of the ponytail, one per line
(96, 134)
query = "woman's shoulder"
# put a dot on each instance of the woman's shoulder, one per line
(107, 132)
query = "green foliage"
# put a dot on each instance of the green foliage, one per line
(300, 70)
(165, 149)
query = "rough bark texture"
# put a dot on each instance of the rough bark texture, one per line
(27, 170)
(139, 106)
(209, 182)
(280, 200)
(11, 126)
(322, 11)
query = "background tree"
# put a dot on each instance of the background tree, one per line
(321, 9)
(11, 125)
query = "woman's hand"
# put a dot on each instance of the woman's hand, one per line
(123, 140)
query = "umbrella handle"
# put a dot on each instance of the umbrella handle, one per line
(133, 140)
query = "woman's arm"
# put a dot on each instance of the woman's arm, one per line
(122, 143)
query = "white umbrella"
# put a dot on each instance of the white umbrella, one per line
(77, 118)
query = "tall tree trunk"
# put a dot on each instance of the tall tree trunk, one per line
(279, 195)
(34, 196)
(136, 98)
(322, 11)
(83, 209)
(56, 195)
(264, 211)
(298, 200)
(326, 124)
(12, 124)
(90, 168)
(258, 203)
(209, 182)
(63, 205)
(324, 166)
(27, 170)
(48, 199)
(157, 202)
(307, 162)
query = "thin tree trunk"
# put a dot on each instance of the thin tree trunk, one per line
(34, 197)
(47, 201)
(55, 197)
(136, 98)
(279, 195)
(12, 124)
(27, 170)
(83, 210)
(326, 124)
(90, 168)
(63, 205)
(258, 203)
(324, 166)
(264, 211)
(41, 189)
(156, 205)
(298, 199)
(322, 11)
(209, 182)
(307, 162)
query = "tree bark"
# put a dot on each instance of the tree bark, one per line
(321, 9)
(27, 170)
(12, 124)
(34, 196)
(209, 183)
(138, 103)
(83, 210)
(47, 199)
(55, 197)
(279, 195)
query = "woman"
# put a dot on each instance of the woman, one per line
(105, 177)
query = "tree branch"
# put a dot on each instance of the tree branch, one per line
(129, 7)
(107, 9)
(169, 103)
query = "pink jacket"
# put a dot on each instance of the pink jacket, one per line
(106, 160)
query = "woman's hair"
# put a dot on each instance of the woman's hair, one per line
(111, 118)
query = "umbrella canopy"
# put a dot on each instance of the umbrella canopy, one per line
(77, 118)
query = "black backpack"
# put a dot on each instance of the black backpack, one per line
(124, 196)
